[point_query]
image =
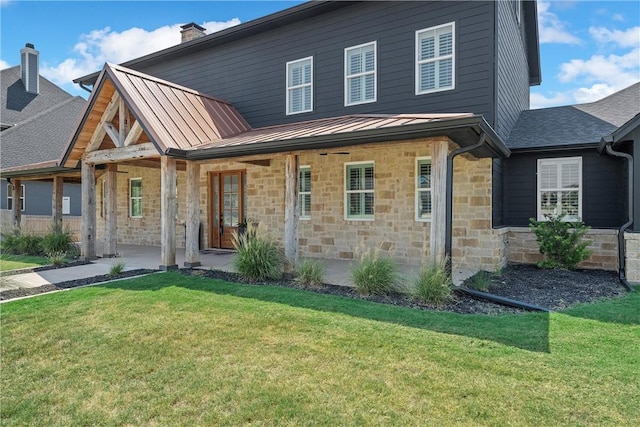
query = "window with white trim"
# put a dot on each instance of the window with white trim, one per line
(360, 74)
(423, 189)
(560, 188)
(359, 190)
(305, 192)
(135, 197)
(435, 59)
(300, 86)
(10, 197)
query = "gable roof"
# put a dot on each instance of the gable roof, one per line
(575, 125)
(19, 105)
(172, 116)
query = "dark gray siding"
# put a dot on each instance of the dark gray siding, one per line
(512, 76)
(251, 72)
(38, 197)
(497, 186)
(602, 197)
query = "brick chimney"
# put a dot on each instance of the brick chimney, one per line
(30, 68)
(191, 31)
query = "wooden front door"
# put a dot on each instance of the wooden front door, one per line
(226, 195)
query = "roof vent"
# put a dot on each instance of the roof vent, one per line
(191, 31)
(29, 68)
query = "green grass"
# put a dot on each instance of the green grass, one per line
(172, 350)
(14, 262)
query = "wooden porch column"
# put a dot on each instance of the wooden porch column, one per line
(56, 202)
(16, 207)
(168, 176)
(440, 150)
(88, 250)
(291, 214)
(192, 249)
(110, 211)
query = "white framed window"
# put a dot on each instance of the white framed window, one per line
(135, 197)
(305, 192)
(435, 59)
(300, 86)
(423, 189)
(560, 188)
(10, 197)
(359, 191)
(360, 74)
(66, 205)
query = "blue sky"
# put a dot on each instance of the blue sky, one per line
(589, 48)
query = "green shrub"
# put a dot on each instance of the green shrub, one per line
(310, 273)
(560, 242)
(481, 280)
(258, 257)
(116, 269)
(57, 258)
(374, 274)
(433, 284)
(11, 242)
(22, 244)
(57, 241)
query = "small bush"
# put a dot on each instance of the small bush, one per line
(11, 243)
(57, 258)
(560, 242)
(481, 280)
(433, 284)
(116, 269)
(57, 241)
(18, 243)
(374, 274)
(310, 273)
(258, 257)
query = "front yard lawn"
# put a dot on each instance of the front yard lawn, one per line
(14, 262)
(167, 349)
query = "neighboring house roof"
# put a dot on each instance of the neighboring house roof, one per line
(184, 123)
(19, 105)
(575, 125)
(43, 137)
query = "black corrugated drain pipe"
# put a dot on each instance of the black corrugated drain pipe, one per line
(501, 300)
(621, 249)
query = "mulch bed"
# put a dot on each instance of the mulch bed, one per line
(553, 289)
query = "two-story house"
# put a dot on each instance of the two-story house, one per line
(38, 119)
(335, 125)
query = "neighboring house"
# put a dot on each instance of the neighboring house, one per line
(335, 125)
(38, 119)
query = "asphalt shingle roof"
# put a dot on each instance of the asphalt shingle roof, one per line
(42, 124)
(575, 124)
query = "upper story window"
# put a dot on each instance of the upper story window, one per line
(305, 192)
(435, 59)
(10, 197)
(423, 189)
(360, 74)
(560, 188)
(359, 190)
(135, 197)
(300, 86)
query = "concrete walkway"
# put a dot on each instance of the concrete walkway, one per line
(148, 257)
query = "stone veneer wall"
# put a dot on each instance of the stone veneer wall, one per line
(328, 234)
(523, 249)
(632, 241)
(145, 230)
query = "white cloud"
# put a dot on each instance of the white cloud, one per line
(551, 28)
(618, 17)
(616, 70)
(538, 100)
(627, 38)
(593, 93)
(105, 45)
(4, 64)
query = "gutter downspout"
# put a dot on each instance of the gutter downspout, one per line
(84, 87)
(621, 249)
(449, 199)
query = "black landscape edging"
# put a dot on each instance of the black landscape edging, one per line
(43, 268)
